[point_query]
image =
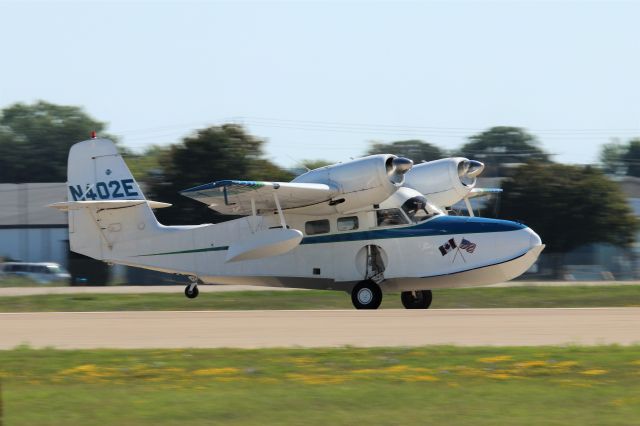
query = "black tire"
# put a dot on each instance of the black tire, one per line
(366, 295)
(193, 293)
(420, 299)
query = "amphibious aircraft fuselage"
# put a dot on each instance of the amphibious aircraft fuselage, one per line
(354, 227)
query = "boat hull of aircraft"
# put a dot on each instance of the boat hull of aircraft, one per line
(476, 277)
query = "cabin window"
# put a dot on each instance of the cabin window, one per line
(314, 227)
(348, 223)
(390, 217)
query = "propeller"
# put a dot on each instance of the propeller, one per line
(397, 167)
(468, 170)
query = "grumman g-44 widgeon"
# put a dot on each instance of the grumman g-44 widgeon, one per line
(368, 226)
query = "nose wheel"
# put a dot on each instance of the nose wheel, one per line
(420, 299)
(366, 295)
(191, 291)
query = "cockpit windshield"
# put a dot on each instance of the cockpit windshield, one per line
(418, 209)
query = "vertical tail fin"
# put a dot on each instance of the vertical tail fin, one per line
(96, 171)
(108, 213)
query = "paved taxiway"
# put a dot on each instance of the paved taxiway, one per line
(253, 329)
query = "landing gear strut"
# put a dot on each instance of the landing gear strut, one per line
(419, 299)
(366, 295)
(191, 290)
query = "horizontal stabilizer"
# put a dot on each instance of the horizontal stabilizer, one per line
(234, 196)
(106, 204)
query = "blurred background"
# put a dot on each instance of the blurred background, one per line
(545, 94)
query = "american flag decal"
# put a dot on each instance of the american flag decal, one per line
(467, 245)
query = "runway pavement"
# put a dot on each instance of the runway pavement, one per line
(254, 329)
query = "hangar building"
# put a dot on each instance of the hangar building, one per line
(30, 231)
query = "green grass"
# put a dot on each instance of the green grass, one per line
(14, 281)
(507, 297)
(344, 386)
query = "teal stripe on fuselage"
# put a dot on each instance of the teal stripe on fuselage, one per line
(438, 226)
(220, 248)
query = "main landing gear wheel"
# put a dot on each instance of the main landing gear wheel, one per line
(191, 291)
(366, 295)
(420, 299)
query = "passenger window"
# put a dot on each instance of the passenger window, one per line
(347, 223)
(317, 227)
(389, 217)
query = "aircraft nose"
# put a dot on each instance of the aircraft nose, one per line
(534, 239)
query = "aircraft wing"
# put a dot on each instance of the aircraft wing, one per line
(234, 196)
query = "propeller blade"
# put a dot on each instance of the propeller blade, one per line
(402, 165)
(475, 168)
(463, 166)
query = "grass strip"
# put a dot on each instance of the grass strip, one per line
(380, 386)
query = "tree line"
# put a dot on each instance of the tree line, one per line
(568, 205)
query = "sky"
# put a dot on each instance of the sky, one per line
(324, 79)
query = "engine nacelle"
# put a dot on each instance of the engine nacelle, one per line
(444, 182)
(358, 183)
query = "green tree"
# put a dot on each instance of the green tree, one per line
(568, 206)
(502, 145)
(414, 149)
(611, 157)
(213, 153)
(621, 158)
(314, 164)
(145, 166)
(35, 140)
(631, 158)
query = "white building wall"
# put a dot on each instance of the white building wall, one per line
(29, 230)
(44, 244)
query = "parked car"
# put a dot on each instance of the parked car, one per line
(42, 273)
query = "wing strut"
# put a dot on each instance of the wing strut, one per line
(469, 208)
(254, 212)
(282, 221)
(253, 220)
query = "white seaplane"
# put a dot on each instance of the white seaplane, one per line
(369, 226)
